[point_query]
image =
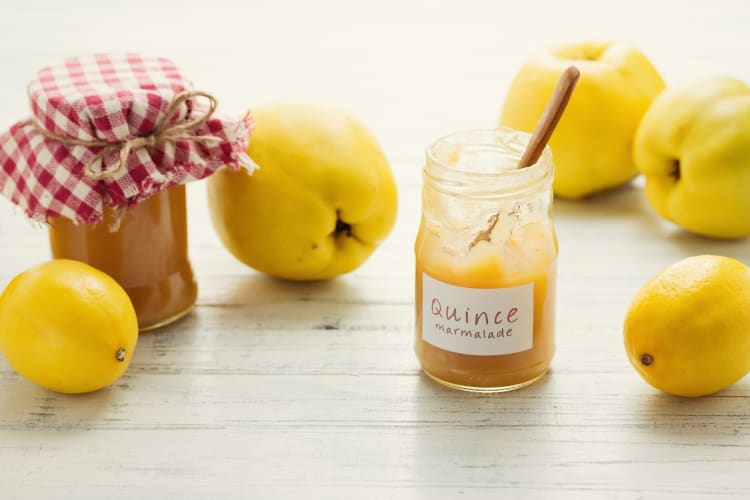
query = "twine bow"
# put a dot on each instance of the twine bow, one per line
(163, 132)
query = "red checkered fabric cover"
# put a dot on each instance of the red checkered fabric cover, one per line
(112, 98)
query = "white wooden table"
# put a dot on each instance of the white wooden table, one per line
(280, 390)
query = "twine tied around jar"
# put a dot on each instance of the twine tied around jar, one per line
(162, 132)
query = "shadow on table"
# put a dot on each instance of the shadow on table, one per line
(628, 204)
(717, 420)
(255, 288)
(273, 303)
(25, 406)
(443, 406)
(627, 201)
(464, 439)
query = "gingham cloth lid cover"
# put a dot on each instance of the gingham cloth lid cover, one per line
(115, 98)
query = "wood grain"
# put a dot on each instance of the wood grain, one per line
(272, 389)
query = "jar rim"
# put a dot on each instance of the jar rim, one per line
(506, 144)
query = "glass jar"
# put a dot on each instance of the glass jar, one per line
(486, 255)
(145, 252)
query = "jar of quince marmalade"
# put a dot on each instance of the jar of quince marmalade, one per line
(485, 263)
(103, 161)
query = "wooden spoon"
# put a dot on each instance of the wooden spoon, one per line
(543, 131)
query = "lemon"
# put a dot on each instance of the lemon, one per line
(67, 327)
(687, 331)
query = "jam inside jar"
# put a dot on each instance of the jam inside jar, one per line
(146, 254)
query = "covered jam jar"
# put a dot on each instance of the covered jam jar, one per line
(103, 161)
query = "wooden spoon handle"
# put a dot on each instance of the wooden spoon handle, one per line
(552, 113)
(543, 131)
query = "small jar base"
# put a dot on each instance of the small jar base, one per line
(485, 390)
(167, 321)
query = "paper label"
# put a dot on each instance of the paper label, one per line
(477, 321)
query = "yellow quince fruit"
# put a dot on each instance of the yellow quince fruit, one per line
(321, 201)
(693, 146)
(592, 144)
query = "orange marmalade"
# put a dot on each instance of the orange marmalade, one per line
(486, 256)
(146, 254)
